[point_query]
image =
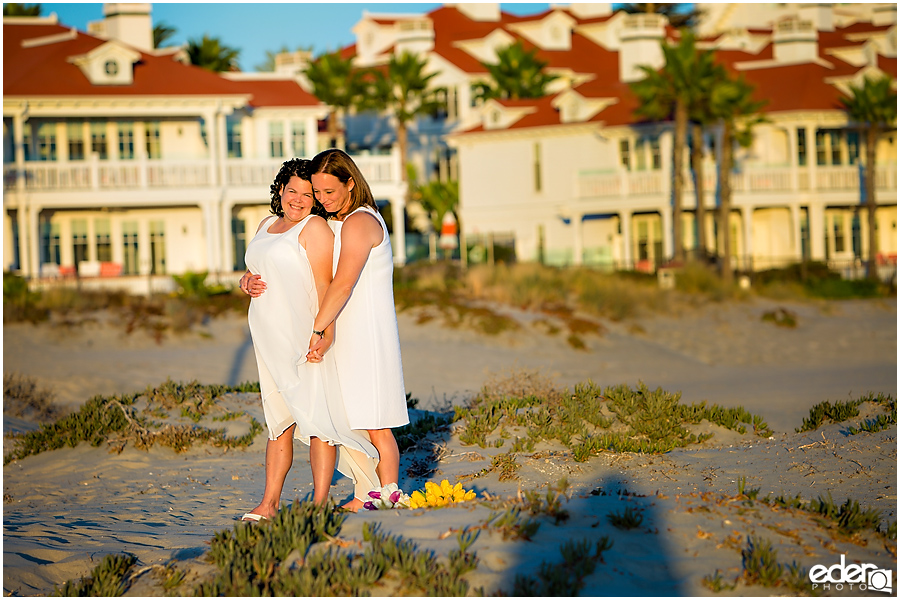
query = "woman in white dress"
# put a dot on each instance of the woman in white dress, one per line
(360, 300)
(289, 268)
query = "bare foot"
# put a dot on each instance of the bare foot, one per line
(353, 506)
(263, 510)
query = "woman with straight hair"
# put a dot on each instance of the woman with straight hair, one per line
(360, 303)
(289, 268)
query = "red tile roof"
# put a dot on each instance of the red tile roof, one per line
(46, 70)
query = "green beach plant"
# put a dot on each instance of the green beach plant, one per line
(629, 518)
(566, 578)
(844, 410)
(116, 420)
(107, 579)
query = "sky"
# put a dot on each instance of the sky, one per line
(254, 28)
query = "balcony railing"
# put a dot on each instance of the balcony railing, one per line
(596, 184)
(156, 174)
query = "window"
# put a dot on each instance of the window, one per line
(838, 227)
(835, 142)
(821, 152)
(98, 139)
(801, 146)
(126, 140)
(46, 141)
(104, 240)
(157, 247)
(640, 154)
(151, 136)
(537, 167)
(233, 136)
(130, 246)
(49, 242)
(852, 147)
(298, 138)
(112, 68)
(276, 140)
(75, 136)
(28, 141)
(625, 154)
(655, 156)
(239, 235)
(79, 240)
(643, 241)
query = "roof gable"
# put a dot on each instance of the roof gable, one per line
(108, 64)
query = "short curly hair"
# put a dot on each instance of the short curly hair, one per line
(299, 167)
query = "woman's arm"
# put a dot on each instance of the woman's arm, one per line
(318, 240)
(360, 233)
(251, 284)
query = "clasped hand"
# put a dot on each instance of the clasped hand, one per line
(317, 347)
(252, 284)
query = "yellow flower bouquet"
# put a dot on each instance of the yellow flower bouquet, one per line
(440, 495)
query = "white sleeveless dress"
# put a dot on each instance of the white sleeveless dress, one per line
(367, 341)
(294, 390)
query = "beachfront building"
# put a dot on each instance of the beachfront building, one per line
(576, 178)
(125, 164)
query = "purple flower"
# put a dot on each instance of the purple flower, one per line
(375, 494)
(395, 496)
(369, 506)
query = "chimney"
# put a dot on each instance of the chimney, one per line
(127, 23)
(795, 41)
(293, 64)
(821, 15)
(479, 11)
(590, 10)
(415, 36)
(640, 40)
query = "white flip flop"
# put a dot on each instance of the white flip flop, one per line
(253, 517)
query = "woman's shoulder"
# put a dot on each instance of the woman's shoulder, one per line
(317, 225)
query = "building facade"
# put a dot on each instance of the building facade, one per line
(576, 178)
(125, 163)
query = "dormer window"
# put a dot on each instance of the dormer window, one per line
(108, 64)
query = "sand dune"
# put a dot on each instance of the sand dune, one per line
(66, 509)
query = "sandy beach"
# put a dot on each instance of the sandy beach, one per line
(66, 509)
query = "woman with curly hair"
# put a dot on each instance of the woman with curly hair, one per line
(289, 270)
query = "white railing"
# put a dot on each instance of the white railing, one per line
(761, 180)
(155, 174)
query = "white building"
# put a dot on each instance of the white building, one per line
(576, 178)
(125, 162)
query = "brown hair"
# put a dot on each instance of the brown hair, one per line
(338, 163)
(290, 168)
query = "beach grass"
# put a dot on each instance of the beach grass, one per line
(589, 419)
(169, 415)
(844, 410)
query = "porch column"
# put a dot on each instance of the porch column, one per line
(25, 234)
(221, 141)
(796, 232)
(816, 232)
(211, 231)
(625, 223)
(668, 241)
(34, 236)
(311, 139)
(227, 255)
(747, 218)
(578, 238)
(209, 120)
(140, 154)
(398, 203)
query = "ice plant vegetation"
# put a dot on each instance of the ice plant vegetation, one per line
(440, 495)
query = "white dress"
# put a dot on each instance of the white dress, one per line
(367, 341)
(294, 390)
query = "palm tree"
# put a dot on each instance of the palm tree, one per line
(210, 54)
(731, 102)
(436, 198)
(405, 92)
(518, 74)
(21, 10)
(336, 83)
(707, 73)
(161, 34)
(670, 92)
(873, 107)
